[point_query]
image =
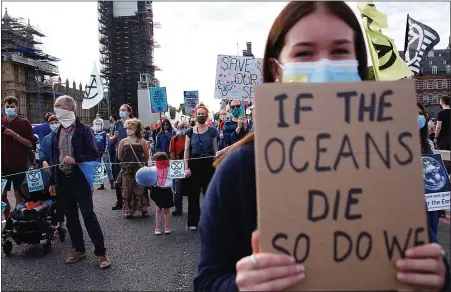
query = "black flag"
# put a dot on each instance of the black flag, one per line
(420, 39)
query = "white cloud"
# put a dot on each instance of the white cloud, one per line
(192, 35)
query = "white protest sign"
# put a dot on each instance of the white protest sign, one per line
(34, 180)
(236, 77)
(4, 181)
(98, 173)
(176, 169)
(436, 183)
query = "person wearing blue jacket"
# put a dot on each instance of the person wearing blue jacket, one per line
(230, 259)
(237, 127)
(72, 144)
(102, 141)
(164, 137)
(43, 129)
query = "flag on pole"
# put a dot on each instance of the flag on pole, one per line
(420, 39)
(387, 64)
(93, 91)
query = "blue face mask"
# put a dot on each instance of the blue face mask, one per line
(10, 111)
(421, 121)
(323, 70)
(123, 115)
(54, 127)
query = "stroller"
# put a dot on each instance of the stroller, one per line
(32, 228)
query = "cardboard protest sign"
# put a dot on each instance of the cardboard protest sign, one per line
(177, 169)
(236, 77)
(158, 99)
(436, 183)
(34, 180)
(339, 182)
(191, 99)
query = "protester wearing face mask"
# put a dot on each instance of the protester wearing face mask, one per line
(200, 149)
(102, 142)
(164, 137)
(220, 128)
(119, 133)
(133, 154)
(177, 151)
(45, 151)
(192, 122)
(72, 144)
(303, 35)
(17, 140)
(236, 128)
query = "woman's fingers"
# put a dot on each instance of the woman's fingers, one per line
(255, 241)
(270, 274)
(279, 284)
(264, 260)
(423, 280)
(420, 265)
(431, 250)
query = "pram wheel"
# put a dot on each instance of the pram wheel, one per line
(47, 247)
(7, 247)
(61, 234)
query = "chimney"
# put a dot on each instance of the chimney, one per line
(249, 48)
(245, 53)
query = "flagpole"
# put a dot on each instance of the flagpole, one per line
(406, 39)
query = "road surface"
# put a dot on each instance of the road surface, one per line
(141, 261)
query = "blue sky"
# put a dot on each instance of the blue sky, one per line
(192, 35)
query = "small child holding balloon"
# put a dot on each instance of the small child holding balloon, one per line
(161, 193)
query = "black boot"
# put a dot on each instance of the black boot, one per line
(102, 187)
(118, 205)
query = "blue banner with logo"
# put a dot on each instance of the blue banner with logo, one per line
(158, 99)
(93, 171)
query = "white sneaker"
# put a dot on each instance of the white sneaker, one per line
(192, 228)
(167, 230)
(157, 231)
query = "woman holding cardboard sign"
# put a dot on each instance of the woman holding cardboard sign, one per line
(304, 32)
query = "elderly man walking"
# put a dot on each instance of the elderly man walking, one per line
(73, 143)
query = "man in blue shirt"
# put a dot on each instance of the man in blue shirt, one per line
(43, 129)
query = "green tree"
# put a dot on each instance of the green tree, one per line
(181, 108)
(216, 116)
(172, 111)
(371, 75)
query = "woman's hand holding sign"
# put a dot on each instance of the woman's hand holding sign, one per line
(423, 267)
(267, 271)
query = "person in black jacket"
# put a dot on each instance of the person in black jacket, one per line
(73, 143)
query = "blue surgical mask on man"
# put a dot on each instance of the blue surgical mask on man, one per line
(421, 121)
(10, 111)
(320, 71)
(123, 115)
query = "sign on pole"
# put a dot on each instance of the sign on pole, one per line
(158, 99)
(34, 180)
(191, 99)
(236, 77)
(436, 183)
(343, 174)
(176, 169)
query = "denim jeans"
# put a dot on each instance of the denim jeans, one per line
(107, 162)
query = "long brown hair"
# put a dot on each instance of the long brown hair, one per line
(129, 109)
(290, 15)
(166, 121)
(425, 148)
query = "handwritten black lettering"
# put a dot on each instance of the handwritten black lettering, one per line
(391, 242)
(371, 108)
(352, 201)
(278, 247)
(282, 161)
(291, 155)
(300, 237)
(369, 140)
(299, 108)
(345, 143)
(384, 105)
(409, 158)
(320, 150)
(344, 235)
(312, 194)
(363, 235)
(346, 95)
(282, 123)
